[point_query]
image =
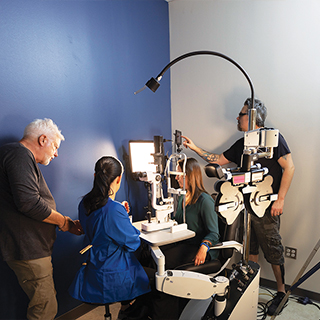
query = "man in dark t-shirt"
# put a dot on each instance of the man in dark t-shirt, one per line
(265, 230)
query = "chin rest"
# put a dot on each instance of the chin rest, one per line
(227, 233)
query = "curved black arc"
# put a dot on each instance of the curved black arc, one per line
(214, 53)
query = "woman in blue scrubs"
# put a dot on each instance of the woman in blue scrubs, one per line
(111, 273)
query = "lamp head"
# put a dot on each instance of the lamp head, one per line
(153, 84)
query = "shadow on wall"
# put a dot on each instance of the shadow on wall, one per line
(14, 301)
(12, 295)
(8, 139)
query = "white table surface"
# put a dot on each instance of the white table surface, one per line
(163, 237)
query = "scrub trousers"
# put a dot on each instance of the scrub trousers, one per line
(36, 279)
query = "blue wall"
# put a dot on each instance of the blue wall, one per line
(79, 62)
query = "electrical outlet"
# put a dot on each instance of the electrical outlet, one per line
(290, 252)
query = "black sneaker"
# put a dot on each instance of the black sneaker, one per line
(275, 302)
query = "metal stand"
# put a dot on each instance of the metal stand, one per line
(298, 280)
(246, 236)
(107, 315)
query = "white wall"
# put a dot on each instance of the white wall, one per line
(277, 43)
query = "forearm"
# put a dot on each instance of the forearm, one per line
(207, 156)
(64, 223)
(56, 218)
(209, 220)
(212, 238)
(287, 176)
(201, 255)
(287, 165)
(121, 230)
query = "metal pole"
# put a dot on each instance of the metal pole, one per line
(304, 267)
(246, 236)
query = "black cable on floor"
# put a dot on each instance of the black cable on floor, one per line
(263, 313)
(263, 307)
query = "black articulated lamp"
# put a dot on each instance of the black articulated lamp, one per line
(153, 84)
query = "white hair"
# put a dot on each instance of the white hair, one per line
(39, 127)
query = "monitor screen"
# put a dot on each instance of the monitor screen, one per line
(141, 158)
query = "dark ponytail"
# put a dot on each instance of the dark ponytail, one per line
(107, 169)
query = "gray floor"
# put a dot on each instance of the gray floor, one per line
(98, 313)
(293, 311)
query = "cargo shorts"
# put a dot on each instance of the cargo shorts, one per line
(265, 234)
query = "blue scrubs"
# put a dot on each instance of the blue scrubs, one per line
(112, 272)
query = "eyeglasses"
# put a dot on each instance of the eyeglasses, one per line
(242, 114)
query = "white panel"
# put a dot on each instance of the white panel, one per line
(277, 43)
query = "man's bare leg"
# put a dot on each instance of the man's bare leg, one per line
(279, 275)
(254, 257)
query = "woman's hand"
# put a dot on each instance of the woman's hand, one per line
(201, 255)
(126, 205)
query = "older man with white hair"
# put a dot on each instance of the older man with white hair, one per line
(28, 216)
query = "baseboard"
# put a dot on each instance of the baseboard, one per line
(77, 312)
(298, 292)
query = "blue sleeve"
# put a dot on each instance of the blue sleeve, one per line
(210, 220)
(120, 229)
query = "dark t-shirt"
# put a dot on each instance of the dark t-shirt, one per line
(25, 200)
(234, 154)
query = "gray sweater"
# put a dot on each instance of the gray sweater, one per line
(25, 200)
